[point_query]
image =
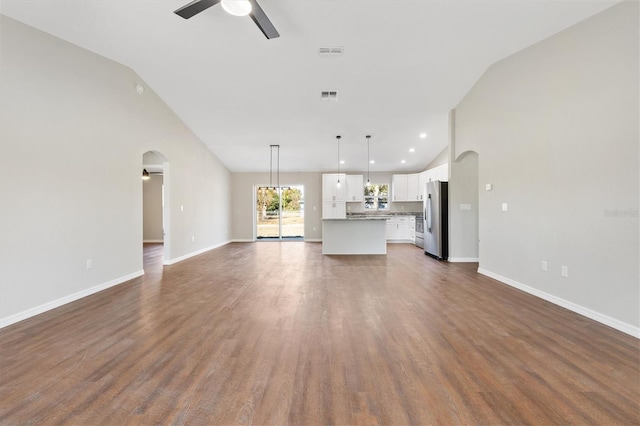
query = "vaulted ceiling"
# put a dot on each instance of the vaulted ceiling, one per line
(405, 64)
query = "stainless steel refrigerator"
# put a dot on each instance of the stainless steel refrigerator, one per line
(436, 223)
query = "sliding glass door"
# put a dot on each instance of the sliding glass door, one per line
(280, 212)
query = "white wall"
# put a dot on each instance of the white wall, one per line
(72, 135)
(556, 128)
(152, 209)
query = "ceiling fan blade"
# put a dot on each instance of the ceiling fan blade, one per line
(261, 20)
(195, 7)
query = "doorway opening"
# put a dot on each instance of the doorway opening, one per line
(155, 204)
(279, 212)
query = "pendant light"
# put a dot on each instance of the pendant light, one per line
(271, 149)
(338, 184)
(368, 161)
(145, 174)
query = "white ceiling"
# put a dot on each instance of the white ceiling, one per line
(406, 63)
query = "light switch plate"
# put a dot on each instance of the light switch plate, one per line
(488, 187)
(505, 207)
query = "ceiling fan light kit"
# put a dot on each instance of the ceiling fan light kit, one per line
(234, 7)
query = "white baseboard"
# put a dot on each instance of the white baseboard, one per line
(153, 241)
(12, 319)
(313, 240)
(463, 259)
(589, 313)
(195, 253)
(242, 240)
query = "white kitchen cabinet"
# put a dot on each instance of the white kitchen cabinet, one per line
(330, 189)
(422, 183)
(406, 187)
(443, 173)
(399, 187)
(412, 228)
(391, 229)
(355, 188)
(440, 173)
(398, 228)
(413, 187)
(334, 210)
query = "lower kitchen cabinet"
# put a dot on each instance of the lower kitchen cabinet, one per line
(399, 229)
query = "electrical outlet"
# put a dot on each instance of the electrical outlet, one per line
(181, 208)
(314, 228)
(543, 266)
(505, 207)
(193, 238)
(89, 264)
(564, 271)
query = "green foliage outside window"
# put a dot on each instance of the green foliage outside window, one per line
(376, 197)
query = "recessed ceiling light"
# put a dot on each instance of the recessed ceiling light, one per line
(372, 162)
(403, 161)
(423, 135)
(412, 150)
(341, 161)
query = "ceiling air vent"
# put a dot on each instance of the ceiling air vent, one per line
(330, 51)
(329, 95)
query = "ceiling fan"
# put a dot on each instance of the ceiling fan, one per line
(234, 7)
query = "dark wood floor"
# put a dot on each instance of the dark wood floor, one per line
(275, 333)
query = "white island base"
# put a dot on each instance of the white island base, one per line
(354, 236)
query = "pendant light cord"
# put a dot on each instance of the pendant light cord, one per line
(368, 161)
(270, 166)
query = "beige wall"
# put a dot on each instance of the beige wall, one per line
(556, 127)
(74, 121)
(441, 159)
(463, 224)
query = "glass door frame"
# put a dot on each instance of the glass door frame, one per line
(280, 193)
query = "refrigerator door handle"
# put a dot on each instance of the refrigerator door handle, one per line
(428, 213)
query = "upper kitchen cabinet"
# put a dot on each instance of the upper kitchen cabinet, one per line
(406, 187)
(440, 173)
(399, 188)
(331, 191)
(355, 188)
(413, 187)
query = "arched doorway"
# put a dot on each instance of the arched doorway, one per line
(155, 203)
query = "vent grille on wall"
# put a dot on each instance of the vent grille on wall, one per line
(330, 51)
(329, 95)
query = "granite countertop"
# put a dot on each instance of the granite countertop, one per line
(385, 215)
(362, 217)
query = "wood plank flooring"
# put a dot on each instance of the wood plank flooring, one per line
(276, 333)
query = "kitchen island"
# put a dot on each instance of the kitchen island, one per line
(355, 235)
